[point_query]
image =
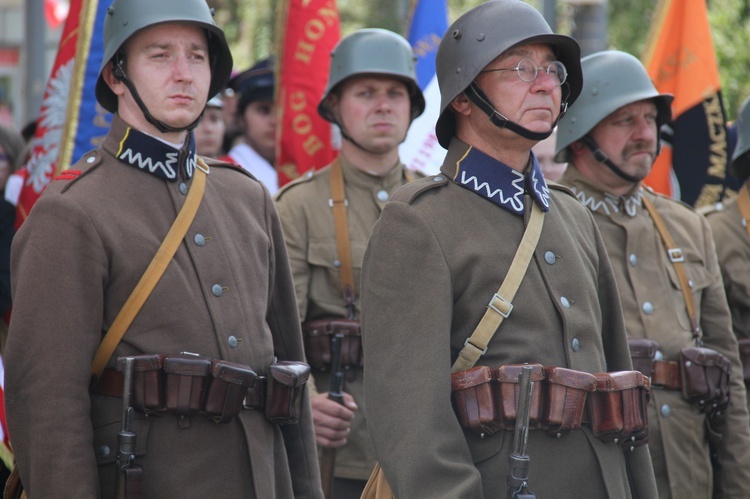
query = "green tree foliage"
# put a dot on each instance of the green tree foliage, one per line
(250, 26)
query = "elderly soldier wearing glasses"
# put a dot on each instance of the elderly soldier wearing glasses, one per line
(484, 268)
(665, 264)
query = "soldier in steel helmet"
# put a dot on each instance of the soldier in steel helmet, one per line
(438, 254)
(730, 223)
(373, 96)
(225, 303)
(670, 285)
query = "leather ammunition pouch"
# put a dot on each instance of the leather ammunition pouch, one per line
(744, 348)
(485, 400)
(317, 338)
(643, 353)
(148, 382)
(565, 399)
(194, 385)
(286, 384)
(474, 401)
(705, 379)
(507, 390)
(618, 408)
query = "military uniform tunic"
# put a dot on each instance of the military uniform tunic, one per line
(307, 218)
(441, 249)
(729, 228)
(654, 308)
(227, 294)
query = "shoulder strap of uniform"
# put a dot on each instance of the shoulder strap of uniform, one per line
(306, 177)
(412, 190)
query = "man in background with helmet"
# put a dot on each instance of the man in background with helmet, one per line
(372, 96)
(256, 152)
(227, 294)
(665, 264)
(730, 223)
(443, 246)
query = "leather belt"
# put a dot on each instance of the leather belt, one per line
(111, 385)
(666, 375)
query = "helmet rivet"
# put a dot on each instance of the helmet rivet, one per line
(110, 10)
(457, 34)
(595, 91)
(458, 70)
(480, 37)
(213, 12)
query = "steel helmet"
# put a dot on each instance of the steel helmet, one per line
(373, 51)
(612, 79)
(483, 33)
(126, 17)
(741, 160)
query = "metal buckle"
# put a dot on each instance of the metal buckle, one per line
(204, 170)
(493, 307)
(675, 255)
(467, 343)
(331, 202)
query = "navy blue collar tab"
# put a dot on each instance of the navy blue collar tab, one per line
(158, 158)
(501, 184)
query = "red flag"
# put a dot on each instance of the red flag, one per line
(69, 119)
(680, 59)
(309, 29)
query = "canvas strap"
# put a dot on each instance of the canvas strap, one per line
(501, 304)
(339, 204)
(153, 273)
(743, 203)
(676, 256)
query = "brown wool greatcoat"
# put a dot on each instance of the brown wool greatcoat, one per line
(654, 308)
(733, 251)
(75, 261)
(436, 257)
(309, 230)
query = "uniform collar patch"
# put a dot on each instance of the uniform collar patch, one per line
(597, 200)
(151, 155)
(499, 183)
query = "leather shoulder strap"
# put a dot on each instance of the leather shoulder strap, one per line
(675, 256)
(743, 203)
(501, 304)
(339, 205)
(153, 273)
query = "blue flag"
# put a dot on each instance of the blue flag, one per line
(429, 21)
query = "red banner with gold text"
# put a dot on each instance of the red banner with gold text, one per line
(309, 29)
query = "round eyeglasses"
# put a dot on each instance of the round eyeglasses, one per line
(527, 71)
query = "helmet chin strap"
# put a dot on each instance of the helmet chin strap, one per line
(480, 99)
(119, 73)
(602, 157)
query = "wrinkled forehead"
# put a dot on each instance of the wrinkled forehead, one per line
(640, 107)
(168, 34)
(535, 51)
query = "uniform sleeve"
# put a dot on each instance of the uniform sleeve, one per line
(731, 473)
(299, 439)
(59, 274)
(406, 316)
(294, 224)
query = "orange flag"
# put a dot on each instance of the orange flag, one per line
(680, 59)
(309, 29)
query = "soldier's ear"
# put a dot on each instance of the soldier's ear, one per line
(577, 148)
(461, 104)
(113, 82)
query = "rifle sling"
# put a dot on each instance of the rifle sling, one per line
(153, 273)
